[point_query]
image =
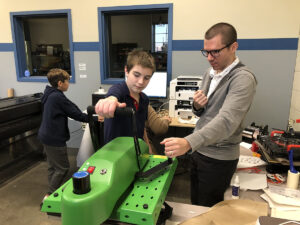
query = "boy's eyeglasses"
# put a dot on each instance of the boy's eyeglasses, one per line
(214, 53)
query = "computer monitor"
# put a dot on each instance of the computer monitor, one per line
(157, 87)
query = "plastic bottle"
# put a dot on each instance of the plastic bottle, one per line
(27, 73)
(101, 90)
(236, 188)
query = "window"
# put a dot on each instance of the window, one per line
(42, 41)
(160, 42)
(123, 29)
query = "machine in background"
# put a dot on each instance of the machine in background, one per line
(275, 148)
(20, 118)
(182, 90)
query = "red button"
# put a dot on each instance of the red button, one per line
(91, 169)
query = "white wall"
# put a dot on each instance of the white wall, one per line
(252, 18)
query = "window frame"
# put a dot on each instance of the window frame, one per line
(103, 35)
(19, 46)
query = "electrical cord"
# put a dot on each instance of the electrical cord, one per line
(76, 130)
(163, 112)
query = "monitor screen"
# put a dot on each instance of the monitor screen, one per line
(157, 87)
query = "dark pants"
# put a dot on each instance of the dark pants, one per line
(58, 166)
(209, 179)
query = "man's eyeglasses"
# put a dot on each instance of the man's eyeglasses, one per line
(214, 53)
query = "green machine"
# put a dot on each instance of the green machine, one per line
(119, 182)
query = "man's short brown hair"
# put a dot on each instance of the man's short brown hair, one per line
(226, 30)
(142, 58)
(54, 75)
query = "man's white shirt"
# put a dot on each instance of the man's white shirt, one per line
(217, 77)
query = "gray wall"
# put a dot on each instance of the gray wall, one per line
(80, 92)
(274, 71)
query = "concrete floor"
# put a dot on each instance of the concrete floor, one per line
(21, 196)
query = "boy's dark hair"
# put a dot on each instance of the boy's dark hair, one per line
(54, 75)
(226, 30)
(142, 58)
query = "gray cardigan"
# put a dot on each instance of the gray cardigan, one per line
(218, 132)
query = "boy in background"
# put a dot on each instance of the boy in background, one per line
(139, 69)
(54, 131)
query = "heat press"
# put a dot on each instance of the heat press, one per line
(119, 182)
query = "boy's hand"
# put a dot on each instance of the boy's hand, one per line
(106, 107)
(169, 119)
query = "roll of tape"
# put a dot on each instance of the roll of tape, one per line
(292, 180)
(10, 92)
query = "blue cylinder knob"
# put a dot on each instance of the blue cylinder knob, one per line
(81, 182)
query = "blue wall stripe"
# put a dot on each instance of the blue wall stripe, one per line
(86, 46)
(244, 44)
(6, 47)
(187, 45)
(195, 45)
(268, 44)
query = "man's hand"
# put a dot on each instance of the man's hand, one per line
(106, 107)
(175, 146)
(200, 99)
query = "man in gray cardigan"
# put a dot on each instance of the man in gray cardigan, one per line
(222, 103)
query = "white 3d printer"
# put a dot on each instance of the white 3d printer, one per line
(182, 90)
